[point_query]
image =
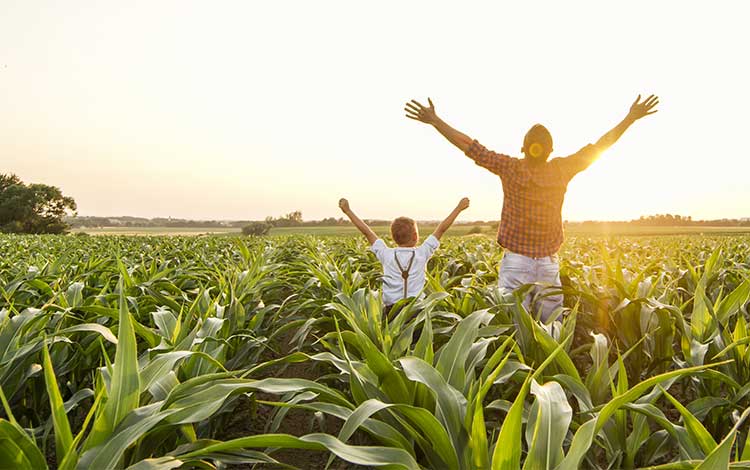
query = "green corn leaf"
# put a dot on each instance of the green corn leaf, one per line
(421, 420)
(17, 450)
(360, 455)
(719, 458)
(731, 304)
(133, 427)
(452, 360)
(63, 435)
(507, 453)
(124, 390)
(584, 436)
(549, 419)
(451, 404)
(694, 427)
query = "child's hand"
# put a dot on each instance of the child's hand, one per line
(463, 204)
(344, 204)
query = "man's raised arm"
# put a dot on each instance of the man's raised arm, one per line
(637, 111)
(426, 114)
(494, 162)
(588, 154)
(359, 223)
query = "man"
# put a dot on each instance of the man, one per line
(533, 191)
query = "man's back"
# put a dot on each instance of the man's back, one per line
(534, 192)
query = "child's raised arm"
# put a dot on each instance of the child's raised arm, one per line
(445, 225)
(359, 223)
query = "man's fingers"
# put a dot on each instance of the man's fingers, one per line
(412, 117)
(411, 107)
(430, 101)
(652, 112)
(637, 100)
(418, 103)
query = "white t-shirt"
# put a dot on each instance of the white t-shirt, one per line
(393, 283)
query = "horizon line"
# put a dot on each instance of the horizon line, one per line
(681, 217)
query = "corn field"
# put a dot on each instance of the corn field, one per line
(153, 353)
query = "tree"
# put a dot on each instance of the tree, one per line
(32, 208)
(256, 228)
(292, 219)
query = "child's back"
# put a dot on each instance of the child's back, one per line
(404, 268)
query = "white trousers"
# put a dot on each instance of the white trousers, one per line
(517, 270)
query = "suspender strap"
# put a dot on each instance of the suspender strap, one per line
(404, 272)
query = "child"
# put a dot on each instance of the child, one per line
(403, 267)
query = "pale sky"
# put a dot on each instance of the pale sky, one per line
(239, 110)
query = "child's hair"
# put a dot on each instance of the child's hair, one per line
(404, 230)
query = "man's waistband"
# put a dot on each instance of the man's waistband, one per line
(553, 257)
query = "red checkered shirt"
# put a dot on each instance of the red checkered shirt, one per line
(531, 222)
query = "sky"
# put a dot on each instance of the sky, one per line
(241, 110)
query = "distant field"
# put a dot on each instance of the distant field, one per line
(423, 229)
(636, 230)
(155, 231)
(492, 229)
(381, 230)
(337, 230)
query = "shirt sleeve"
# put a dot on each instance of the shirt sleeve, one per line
(497, 163)
(429, 246)
(379, 248)
(580, 160)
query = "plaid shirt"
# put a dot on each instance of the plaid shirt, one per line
(531, 222)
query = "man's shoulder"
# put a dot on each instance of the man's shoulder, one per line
(558, 163)
(512, 164)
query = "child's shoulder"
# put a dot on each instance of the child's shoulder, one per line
(379, 245)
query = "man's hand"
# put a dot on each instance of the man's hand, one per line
(344, 205)
(463, 204)
(419, 112)
(639, 110)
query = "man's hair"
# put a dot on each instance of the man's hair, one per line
(538, 134)
(403, 230)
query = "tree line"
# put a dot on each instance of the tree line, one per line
(673, 220)
(32, 208)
